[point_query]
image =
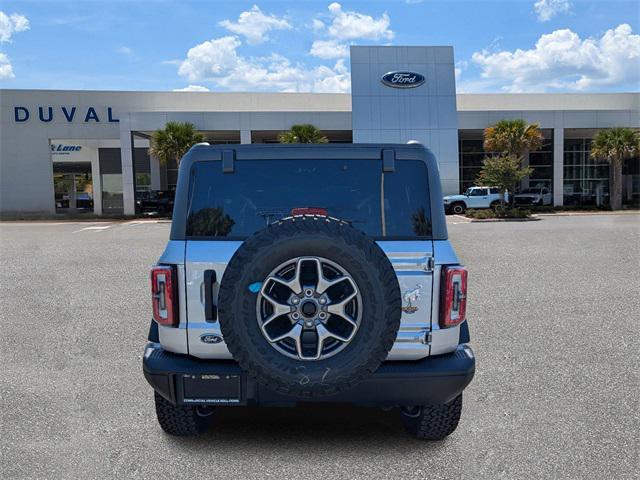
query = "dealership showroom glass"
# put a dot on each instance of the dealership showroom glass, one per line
(74, 151)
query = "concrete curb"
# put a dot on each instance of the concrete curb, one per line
(570, 214)
(493, 220)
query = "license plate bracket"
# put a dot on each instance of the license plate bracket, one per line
(211, 388)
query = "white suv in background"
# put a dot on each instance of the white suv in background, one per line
(473, 197)
(534, 196)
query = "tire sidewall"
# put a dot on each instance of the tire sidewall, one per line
(458, 209)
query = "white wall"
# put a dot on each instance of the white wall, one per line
(26, 175)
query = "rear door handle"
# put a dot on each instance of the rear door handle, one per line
(210, 310)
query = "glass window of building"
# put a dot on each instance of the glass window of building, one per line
(542, 163)
(472, 155)
(142, 169)
(586, 181)
(111, 179)
(631, 182)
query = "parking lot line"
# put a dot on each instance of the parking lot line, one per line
(94, 228)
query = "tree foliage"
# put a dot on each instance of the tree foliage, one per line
(304, 133)
(173, 141)
(504, 172)
(514, 138)
(615, 145)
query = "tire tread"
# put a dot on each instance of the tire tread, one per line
(181, 421)
(435, 422)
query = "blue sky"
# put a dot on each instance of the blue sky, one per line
(508, 46)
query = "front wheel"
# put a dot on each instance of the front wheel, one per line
(182, 421)
(432, 422)
(458, 208)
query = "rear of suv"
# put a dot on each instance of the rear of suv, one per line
(309, 273)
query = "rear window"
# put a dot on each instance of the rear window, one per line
(260, 192)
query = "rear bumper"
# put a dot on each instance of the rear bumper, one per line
(187, 380)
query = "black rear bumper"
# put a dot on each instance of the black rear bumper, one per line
(187, 380)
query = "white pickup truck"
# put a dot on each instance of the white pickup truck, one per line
(534, 196)
(473, 197)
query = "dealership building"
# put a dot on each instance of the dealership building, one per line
(69, 151)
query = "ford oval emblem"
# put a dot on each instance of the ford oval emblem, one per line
(402, 79)
(210, 338)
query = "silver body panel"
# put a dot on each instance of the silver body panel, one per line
(417, 264)
(413, 263)
(201, 256)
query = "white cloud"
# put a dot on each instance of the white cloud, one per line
(547, 9)
(562, 60)
(125, 51)
(192, 88)
(254, 25)
(317, 25)
(211, 58)
(347, 25)
(217, 61)
(6, 70)
(10, 24)
(329, 49)
(460, 66)
(332, 80)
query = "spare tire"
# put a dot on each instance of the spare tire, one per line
(309, 306)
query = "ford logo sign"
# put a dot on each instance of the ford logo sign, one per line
(402, 79)
(210, 338)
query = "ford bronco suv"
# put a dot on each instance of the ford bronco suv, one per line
(309, 273)
(473, 197)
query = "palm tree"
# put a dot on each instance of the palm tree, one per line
(173, 141)
(513, 137)
(304, 133)
(615, 145)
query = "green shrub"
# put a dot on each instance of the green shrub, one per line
(485, 213)
(498, 213)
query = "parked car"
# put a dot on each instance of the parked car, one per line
(473, 197)
(534, 196)
(157, 201)
(311, 277)
(84, 200)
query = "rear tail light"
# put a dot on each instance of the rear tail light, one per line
(163, 295)
(453, 300)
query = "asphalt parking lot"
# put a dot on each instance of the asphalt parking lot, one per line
(553, 308)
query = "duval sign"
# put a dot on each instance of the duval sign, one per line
(402, 79)
(46, 114)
